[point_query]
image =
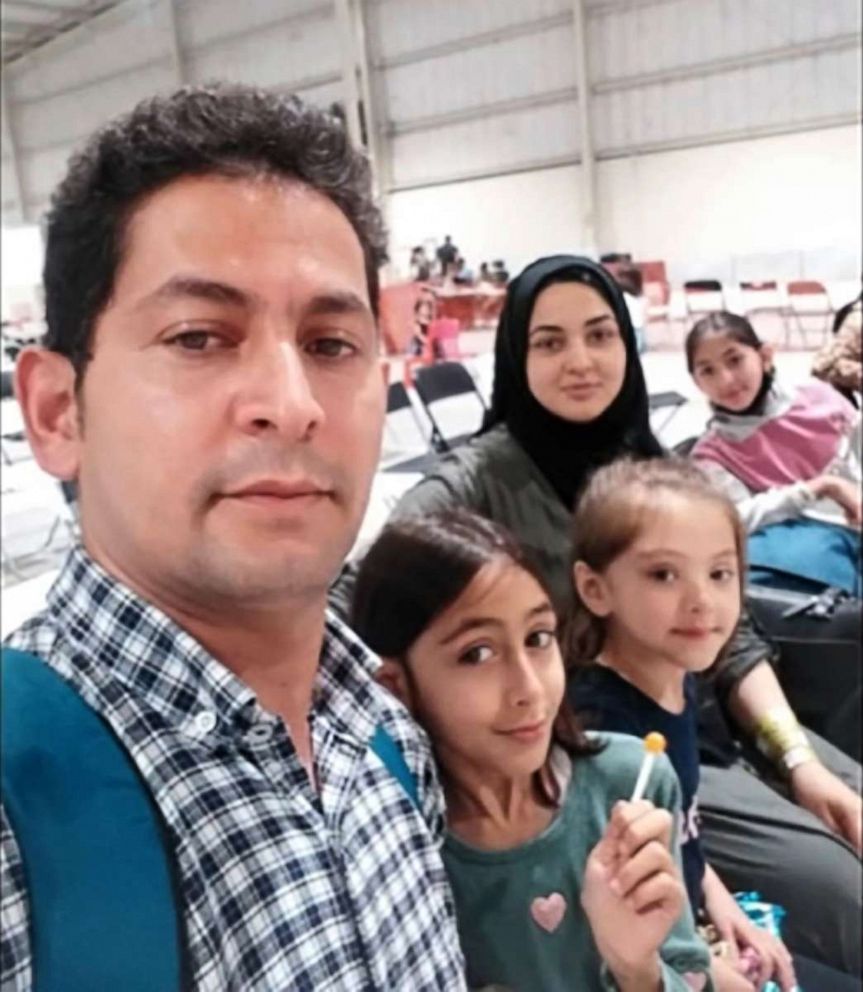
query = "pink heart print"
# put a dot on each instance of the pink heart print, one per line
(548, 911)
(695, 980)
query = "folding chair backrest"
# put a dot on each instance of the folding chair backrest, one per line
(703, 295)
(451, 399)
(809, 296)
(402, 431)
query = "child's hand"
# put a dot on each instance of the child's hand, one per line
(841, 491)
(735, 927)
(728, 978)
(632, 891)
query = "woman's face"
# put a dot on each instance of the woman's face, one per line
(488, 677)
(576, 358)
(730, 373)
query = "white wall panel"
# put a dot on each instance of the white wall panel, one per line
(64, 119)
(132, 35)
(515, 217)
(492, 144)
(284, 52)
(404, 26)
(801, 90)
(676, 33)
(797, 191)
(202, 22)
(511, 69)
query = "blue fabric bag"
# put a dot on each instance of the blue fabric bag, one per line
(806, 555)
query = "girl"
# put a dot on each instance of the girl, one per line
(658, 587)
(788, 459)
(559, 883)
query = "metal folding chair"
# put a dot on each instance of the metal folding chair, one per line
(452, 401)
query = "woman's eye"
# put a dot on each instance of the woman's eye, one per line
(540, 639)
(546, 344)
(475, 655)
(734, 361)
(332, 348)
(723, 574)
(197, 340)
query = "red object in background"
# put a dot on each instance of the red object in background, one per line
(397, 315)
(446, 331)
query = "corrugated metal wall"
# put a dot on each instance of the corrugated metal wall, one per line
(461, 88)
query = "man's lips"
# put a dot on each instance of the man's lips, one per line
(279, 489)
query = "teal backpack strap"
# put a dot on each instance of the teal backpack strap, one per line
(394, 761)
(103, 910)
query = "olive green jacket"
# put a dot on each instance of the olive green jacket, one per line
(493, 475)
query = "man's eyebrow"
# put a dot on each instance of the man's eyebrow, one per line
(337, 302)
(198, 288)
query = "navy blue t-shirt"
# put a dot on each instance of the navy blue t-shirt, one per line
(605, 701)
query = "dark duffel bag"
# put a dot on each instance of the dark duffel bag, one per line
(820, 661)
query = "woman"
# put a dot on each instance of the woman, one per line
(569, 395)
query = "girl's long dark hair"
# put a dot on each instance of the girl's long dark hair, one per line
(417, 568)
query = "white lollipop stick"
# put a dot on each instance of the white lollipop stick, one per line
(654, 744)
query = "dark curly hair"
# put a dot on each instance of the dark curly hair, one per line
(220, 129)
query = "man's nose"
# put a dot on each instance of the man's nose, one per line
(277, 393)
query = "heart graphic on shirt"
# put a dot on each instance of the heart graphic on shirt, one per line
(548, 911)
(695, 980)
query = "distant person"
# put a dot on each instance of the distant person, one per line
(446, 256)
(422, 345)
(499, 273)
(484, 274)
(840, 361)
(211, 378)
(462, 275)
(420, 266)
(788, 458)
(631, 281)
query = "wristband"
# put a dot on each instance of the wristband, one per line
(780, 737)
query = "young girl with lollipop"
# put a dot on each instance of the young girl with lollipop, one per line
(659, 559)
(559, 881)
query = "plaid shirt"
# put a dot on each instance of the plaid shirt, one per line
(283, 887)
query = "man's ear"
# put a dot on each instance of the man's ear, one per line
(45, 388)
(591, 589)
(393, 676)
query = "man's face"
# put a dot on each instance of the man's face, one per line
(233, 408)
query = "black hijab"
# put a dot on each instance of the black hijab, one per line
(564, 451)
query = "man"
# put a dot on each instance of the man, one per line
(446, 255)
(211, 380)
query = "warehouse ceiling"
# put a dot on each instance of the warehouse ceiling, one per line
(28, 24)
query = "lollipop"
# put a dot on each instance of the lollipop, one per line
(654, 744)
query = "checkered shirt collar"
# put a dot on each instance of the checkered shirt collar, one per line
(112, 627)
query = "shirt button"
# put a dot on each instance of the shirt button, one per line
(205, 722)
(261, 733)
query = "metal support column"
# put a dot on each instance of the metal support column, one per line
(588, 156)
(14, 176)
(174, 41)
